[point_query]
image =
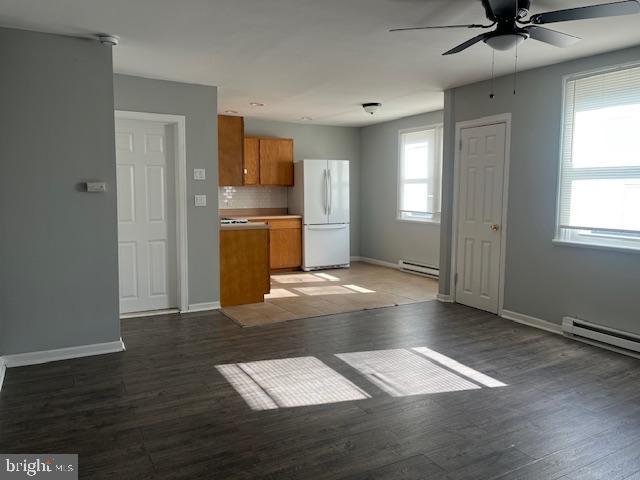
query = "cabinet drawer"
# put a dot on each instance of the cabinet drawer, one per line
(284, 223)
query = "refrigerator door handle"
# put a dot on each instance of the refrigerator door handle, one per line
(325, 201)
(330, 191)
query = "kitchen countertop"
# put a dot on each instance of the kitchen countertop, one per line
(243, 226)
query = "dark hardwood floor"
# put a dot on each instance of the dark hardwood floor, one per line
(161, 410)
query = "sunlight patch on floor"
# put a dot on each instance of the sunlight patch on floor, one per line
(280, 293)
(400, 372)
(452, 364)
(289, 382)
(331, 290)
(295, 382)
(327, 276)
(297, 278)
(359, 289)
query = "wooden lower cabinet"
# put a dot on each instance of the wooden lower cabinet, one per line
(285, 243)
(285, 248)
(244, 266)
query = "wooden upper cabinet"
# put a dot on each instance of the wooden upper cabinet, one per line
(251, 161)
(276, 161)
(230, 150)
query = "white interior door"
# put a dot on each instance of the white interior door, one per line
(482, 160)
(316, 192)
(338, 171)
(146, 216)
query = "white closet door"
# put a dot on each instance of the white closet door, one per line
(482, 162)
(146, 216)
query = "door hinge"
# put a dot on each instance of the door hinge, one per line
(460, 145)
(455, 278)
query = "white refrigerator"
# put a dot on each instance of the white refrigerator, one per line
(321, 195)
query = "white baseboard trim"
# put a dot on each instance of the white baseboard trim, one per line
(444, 298)
(532, 321)
(375, 261)
(149, 313)
(45, 356)
(203, 307)
(3, 370)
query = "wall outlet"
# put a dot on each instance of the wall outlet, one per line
(199, 174)
(201, 200)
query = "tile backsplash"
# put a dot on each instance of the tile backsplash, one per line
(252, 197)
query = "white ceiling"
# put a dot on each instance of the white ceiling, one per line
(315, 58)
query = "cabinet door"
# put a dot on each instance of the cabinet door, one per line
(251, 161)
(230, 150)
(285, 243)
(286, 248)
(276, 161)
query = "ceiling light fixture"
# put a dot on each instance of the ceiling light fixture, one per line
(371, 107)
(108, 40)
(256, 104)
(306, 119)
(506, 41)
(231, 112)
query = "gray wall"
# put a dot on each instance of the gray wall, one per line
(198, 104)
(315, 141)
(58, 245)
(545, 280)
(383, 236)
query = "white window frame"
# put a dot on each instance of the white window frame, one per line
(598, 239)
(435, 218)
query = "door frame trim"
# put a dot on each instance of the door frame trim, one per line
(180, 158)
(504, 118)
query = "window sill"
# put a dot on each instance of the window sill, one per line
(595, 246)
(419, 222)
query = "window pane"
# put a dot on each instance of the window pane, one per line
(606, 137)
(416, 161)
(600, 169)
(414, 197)
(606, 203)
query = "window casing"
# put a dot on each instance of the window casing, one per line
(599, 187)
(419, 174)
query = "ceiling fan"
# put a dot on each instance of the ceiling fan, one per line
(512, 26)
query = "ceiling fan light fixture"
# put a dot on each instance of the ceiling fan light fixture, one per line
(506, 41)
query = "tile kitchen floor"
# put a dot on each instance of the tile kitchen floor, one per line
(363, 286)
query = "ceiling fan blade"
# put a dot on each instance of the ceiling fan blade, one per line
(627, 7)
(471, 25)
(551, 37)
(502, 8)
(467, 44)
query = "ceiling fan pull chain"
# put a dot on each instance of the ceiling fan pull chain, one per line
(493, 62)
(515, 72)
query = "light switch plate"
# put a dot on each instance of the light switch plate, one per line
(96, 187)
(199, 174)
(201, 200)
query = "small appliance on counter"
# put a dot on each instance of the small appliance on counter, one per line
(232, 221)
(321, 195)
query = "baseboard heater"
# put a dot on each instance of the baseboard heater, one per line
(609, 338)
(418, 268)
